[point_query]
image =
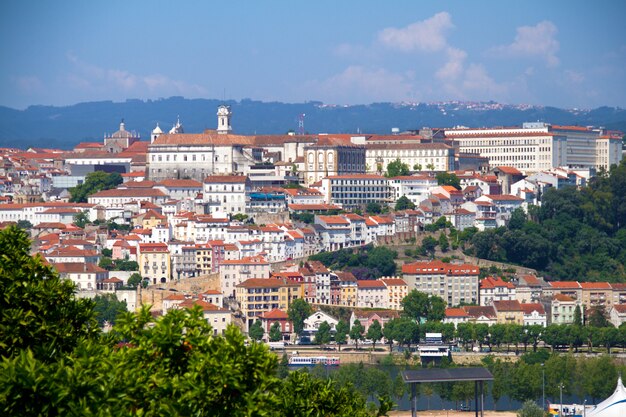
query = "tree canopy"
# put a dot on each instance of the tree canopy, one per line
(94, 182)
(397, 168)
(421, 306)
(298, 311)
(403, 203)
(445, 178)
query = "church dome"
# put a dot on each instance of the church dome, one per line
(157, 130)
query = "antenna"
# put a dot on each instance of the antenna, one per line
(301, 124)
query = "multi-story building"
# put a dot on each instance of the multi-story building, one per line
(540, 146)
(260, 295)
(454, 283)
(371, 294)
(348, 289)
(456, 315)
(356, 190)
(495, 289)
(86, 276)
(563, 308)
(396, 291)
(534, 314)
(509, 312)
(226, 193)
(326, 158)
(596, 294)
(235, 272)
(154, 262)
(416, 188)
(418, 156)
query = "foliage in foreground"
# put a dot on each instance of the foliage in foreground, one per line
(56, 363)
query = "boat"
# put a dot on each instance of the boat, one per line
(432, 348)
(295, 360)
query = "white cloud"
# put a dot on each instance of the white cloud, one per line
(533, 41)
(29, 84)
(574, 76)
(427, 35)
(453, 68)
(86, 76)
(357, 84)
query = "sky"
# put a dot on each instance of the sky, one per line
(564, 53)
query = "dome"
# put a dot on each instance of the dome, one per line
(157, 130)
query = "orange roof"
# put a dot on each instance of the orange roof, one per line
(509, 170)
(438, 267)
(363, 283)
(595, 285)
(455, 312)
(562, 297)
(174, 183)
(393, 281)
(620, 308)
(219, 179)
(507, 305)
(528, 308)
(314, 207)
(77, 267)
(493, 282)
(275, 314)
(333, 220)
(130, 193)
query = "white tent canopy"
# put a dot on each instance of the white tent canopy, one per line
(614, 406)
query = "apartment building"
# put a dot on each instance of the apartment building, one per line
(328, 158)
(454, 283)
(226, 193)
(356, 190)
(418, 156)
(509, 312)
(371, 294)
(154, 262)
(234, 272)
(261, 295)
(495, 289)
(397, 289)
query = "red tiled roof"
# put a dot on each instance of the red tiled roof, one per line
(595, 286)
(219, 179)
(365, 283)
(393, 281)
(507, 305)
(275, 314)
(477, 311)
(266, 283)
(174, 183)
(620, 308)
(528, 308)
(565, 284)
(493, 282)
(438, 267)
(562, 297)
(456, 312)
(77, 267)
(333, 220)
(130, 193)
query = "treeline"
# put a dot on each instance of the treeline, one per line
(576, 234)
(367, 262)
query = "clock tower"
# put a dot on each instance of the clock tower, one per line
(223, 119)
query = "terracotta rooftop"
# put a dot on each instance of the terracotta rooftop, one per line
(528, 308)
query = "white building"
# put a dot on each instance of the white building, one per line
(226, 193)
(534, 313)
(234, 272)
(418, 156)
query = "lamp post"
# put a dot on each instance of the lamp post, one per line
(585, 408)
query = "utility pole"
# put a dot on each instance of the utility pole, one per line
(561, 405)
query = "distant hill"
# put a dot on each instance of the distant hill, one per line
(64, 127)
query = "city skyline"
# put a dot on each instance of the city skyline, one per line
(564, 54)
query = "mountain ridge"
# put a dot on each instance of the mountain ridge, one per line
(65, 126)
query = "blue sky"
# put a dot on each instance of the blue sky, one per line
(560, 53)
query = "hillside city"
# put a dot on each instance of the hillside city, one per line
(239, 224)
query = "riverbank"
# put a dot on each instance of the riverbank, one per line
(447, 413)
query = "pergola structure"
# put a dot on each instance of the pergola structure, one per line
(419, 376)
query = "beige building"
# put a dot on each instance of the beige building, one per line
(418, 156)
(509, 312)
(329, 159)
(234, 272)
(262, 295)
(154, 262)
(596, 294)
(396, 291)
(454, 283)
(347, 289)
(86, 276)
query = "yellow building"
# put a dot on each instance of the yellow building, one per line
(397, 290)
(154, 262)
(262, 295)
(348, 289)
(508, 312)
(149, 220)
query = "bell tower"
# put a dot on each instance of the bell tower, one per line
(223, 119)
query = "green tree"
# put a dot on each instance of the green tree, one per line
(578, 321)
(341, 333)
(298, 311)
(283, 367)
(530, 409)
(597, 317)
(403, 203)
(134, 280)
(323, 336)
(24, 224)
(275, 333)
(256, 331)
(38, 310)
(445, 178)
(356, 332)
(106, 263)
(374, 208)
(81, 219)
(421, 306)
(444, 245)
(390, 331)
(429, 244)
(397, 168)
(94, 182)
(518, 219)
(107, 308)
(374, 333)
(417, 167)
